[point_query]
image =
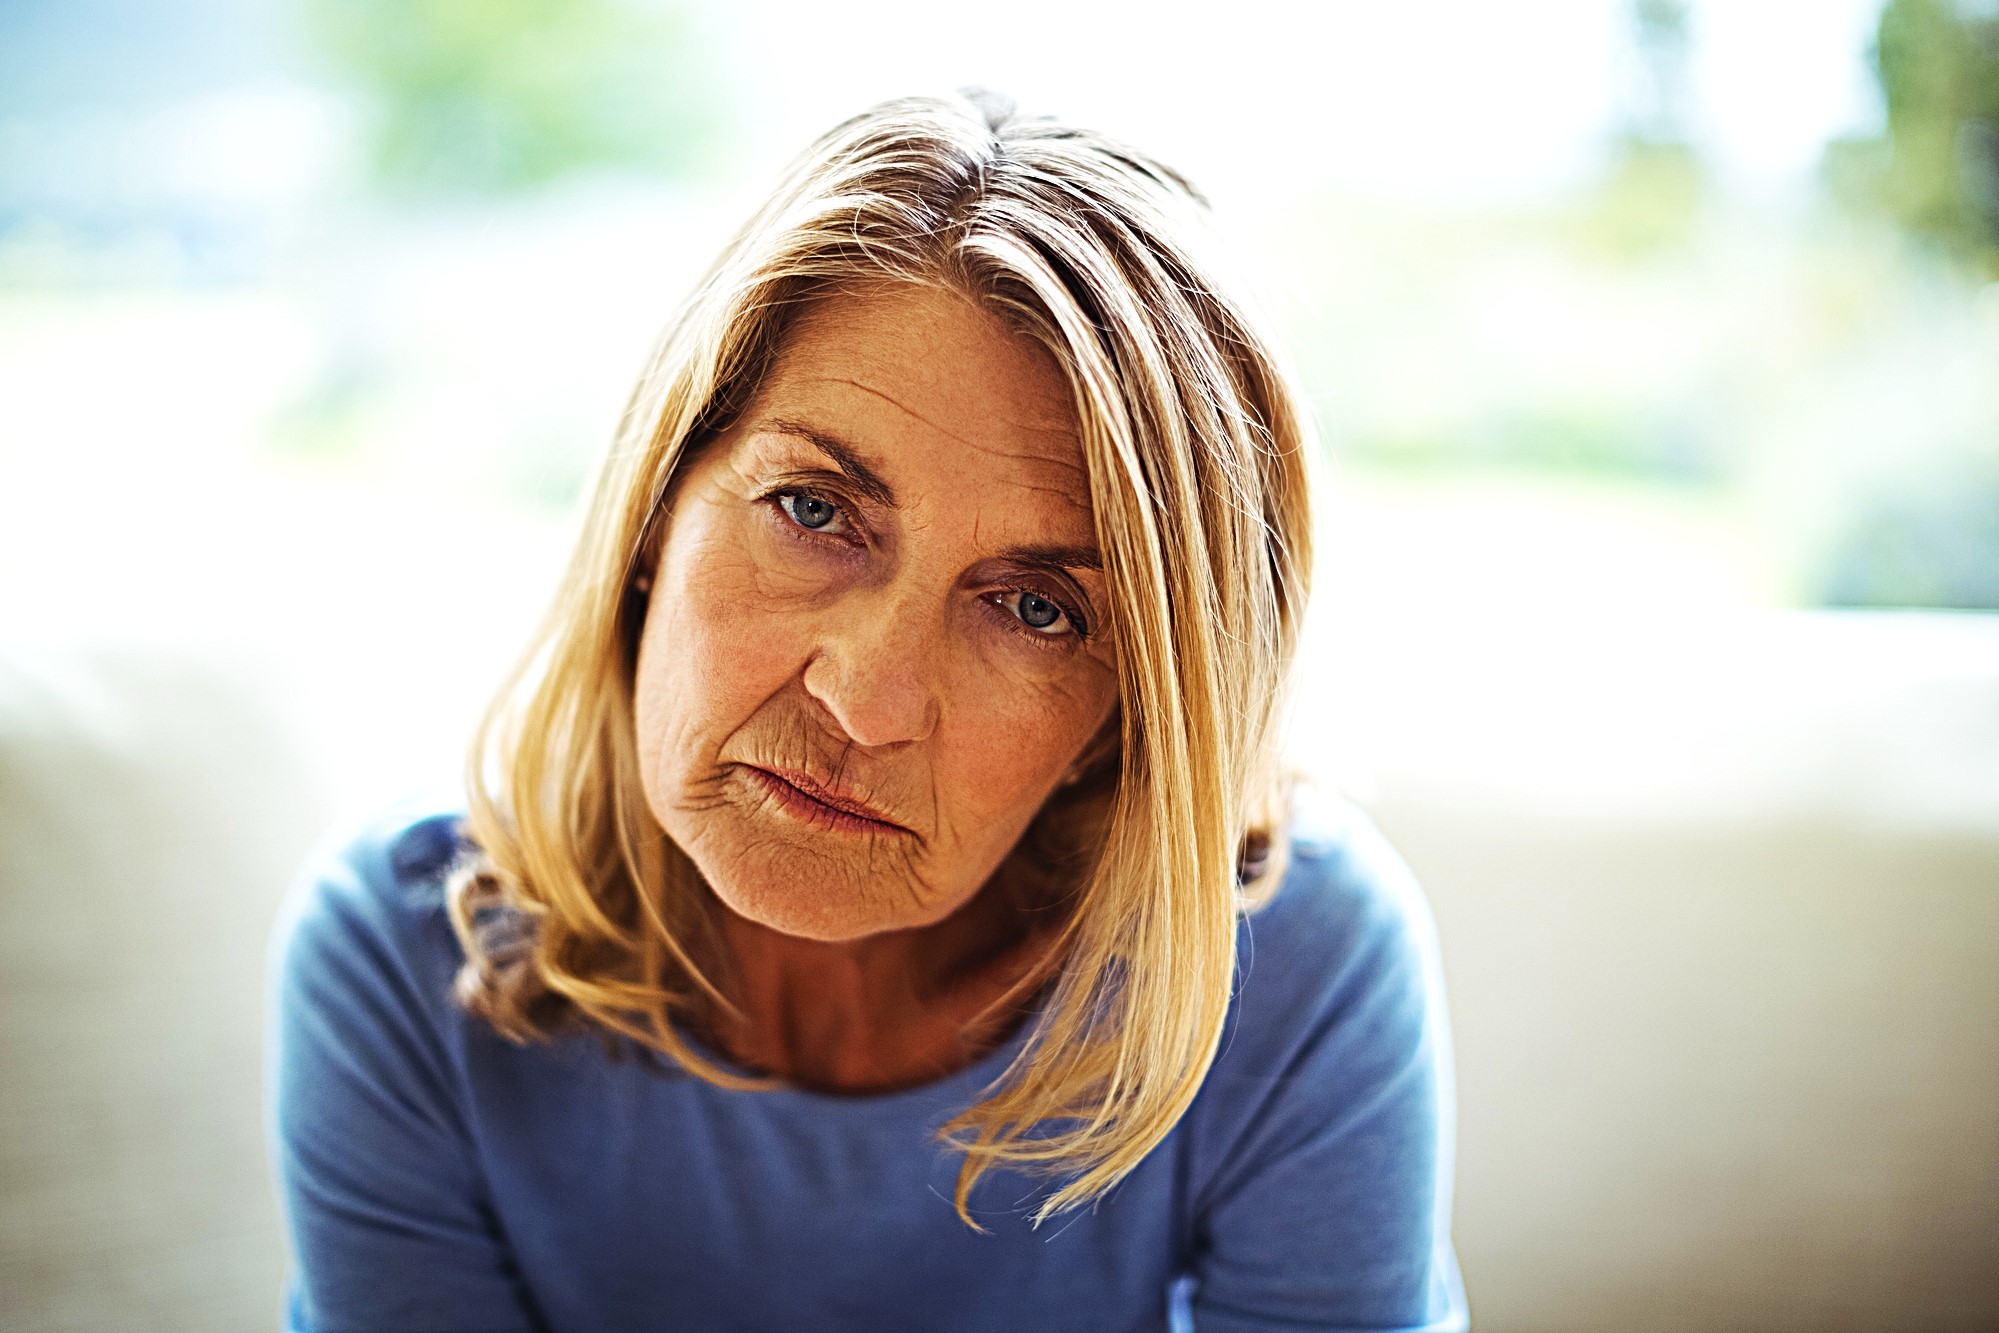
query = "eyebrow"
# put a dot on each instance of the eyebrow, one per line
(1054, 557)
(847, 458)
(870, 483)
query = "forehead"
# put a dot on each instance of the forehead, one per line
(926, 382)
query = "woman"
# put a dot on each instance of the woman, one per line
(882, 852)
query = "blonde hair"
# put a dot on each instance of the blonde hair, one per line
(580, 913)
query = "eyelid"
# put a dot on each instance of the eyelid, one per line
(1079, 627)
(1069, 600)
(822, 482)
(774, 497)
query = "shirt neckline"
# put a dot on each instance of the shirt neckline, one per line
(959, 1084)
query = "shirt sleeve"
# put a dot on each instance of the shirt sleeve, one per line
(389, 1224)
(1329, 1207)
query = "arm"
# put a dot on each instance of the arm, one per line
(1331, 1210)
(390, 1228)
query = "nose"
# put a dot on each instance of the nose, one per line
(874, 669)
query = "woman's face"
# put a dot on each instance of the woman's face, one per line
(877, 636)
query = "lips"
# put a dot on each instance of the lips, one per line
(818, 803)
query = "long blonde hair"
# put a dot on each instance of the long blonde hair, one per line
(580, 913)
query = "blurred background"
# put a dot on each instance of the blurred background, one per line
(1655, 344)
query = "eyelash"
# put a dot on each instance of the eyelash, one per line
(1078, 627)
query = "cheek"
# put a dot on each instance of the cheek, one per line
(1012, 740)
(717, 643)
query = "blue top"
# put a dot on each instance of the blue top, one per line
(437, 1178)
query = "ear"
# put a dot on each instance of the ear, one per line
(636, 599)
(645, 560)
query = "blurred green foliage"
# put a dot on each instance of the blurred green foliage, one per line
(1537, 274)
(1651, 195)
(491, 97)
(1927, 533)
(1935, 170)
(1657, 110)
(1931, 540)
(1647, 204)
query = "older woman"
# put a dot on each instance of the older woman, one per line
(882, 851)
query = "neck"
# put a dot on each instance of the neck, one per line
(886, 1011)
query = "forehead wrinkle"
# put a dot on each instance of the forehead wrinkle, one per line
(1081, 500)
(1068, 497)
(869, 389)
(1063, 431)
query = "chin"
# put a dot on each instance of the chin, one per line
(818, 895)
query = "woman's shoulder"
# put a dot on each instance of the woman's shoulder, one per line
(1333, 1083)
(1319, 1149)
(1345, 889)
(1341, 962)
(366, 914)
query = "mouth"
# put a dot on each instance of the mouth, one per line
(800, 796)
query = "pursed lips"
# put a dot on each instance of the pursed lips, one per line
(801, 792)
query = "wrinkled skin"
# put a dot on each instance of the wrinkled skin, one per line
(875, 625)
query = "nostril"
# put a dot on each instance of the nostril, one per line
(874, 701)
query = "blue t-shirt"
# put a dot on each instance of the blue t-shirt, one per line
(438, 1179)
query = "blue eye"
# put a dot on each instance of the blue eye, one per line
(808, 511)
(1038, 611)
(1042, 618)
